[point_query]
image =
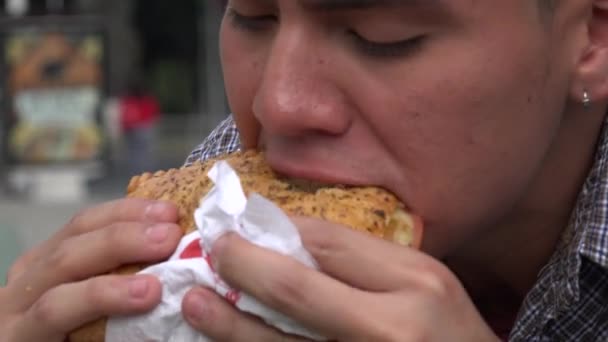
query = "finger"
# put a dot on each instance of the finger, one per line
(94, 253)
(220, 321)
(19, 266)
(69, 306)
(284, 284)
(98, 217)
(359, 259)
(122, 210)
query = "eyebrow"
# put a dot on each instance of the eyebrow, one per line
(337, 5)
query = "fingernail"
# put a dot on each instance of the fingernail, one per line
(156, 211)
(216, 251)
(157, 233)
(138, 287)
(195, 307)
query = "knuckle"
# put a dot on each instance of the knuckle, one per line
(116, 235)
(286, 291)
(15, 270)
(44, 311)
(61, 261)
(59, 258)
(323, 243)
(96, 292)
(438, 282)
(77, 223)
(131, 208)
(126, 240)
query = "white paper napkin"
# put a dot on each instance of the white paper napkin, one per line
(224, 209)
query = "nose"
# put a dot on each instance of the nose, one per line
(299, 92)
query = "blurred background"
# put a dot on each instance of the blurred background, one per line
(92, 92)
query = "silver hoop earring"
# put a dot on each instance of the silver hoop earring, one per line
(586, 99)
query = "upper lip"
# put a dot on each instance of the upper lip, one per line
(302, 170)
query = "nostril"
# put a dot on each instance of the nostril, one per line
(53, 70)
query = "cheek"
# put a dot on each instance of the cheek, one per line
(468, 149)
(242, 76)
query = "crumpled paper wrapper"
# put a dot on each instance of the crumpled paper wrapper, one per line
(224, 209)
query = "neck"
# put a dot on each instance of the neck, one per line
(505, 263)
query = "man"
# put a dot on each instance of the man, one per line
(484, 117)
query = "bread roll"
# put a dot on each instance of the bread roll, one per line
(367, 209)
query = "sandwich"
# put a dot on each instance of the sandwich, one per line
(367, 209)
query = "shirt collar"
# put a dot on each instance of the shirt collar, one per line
(593, 221)
(585, 236)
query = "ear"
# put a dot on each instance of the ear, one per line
(592, 71)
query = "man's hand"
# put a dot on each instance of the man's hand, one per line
(48, 291)
(368, 290)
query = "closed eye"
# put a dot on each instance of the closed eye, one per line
(253, 23)
(394, 49)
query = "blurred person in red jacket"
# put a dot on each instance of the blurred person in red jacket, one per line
(139, 116)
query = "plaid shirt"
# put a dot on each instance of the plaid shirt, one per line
(223, 139)
(569, 301)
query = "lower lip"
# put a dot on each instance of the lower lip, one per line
(302, 170)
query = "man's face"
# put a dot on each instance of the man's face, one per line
(452, 105)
